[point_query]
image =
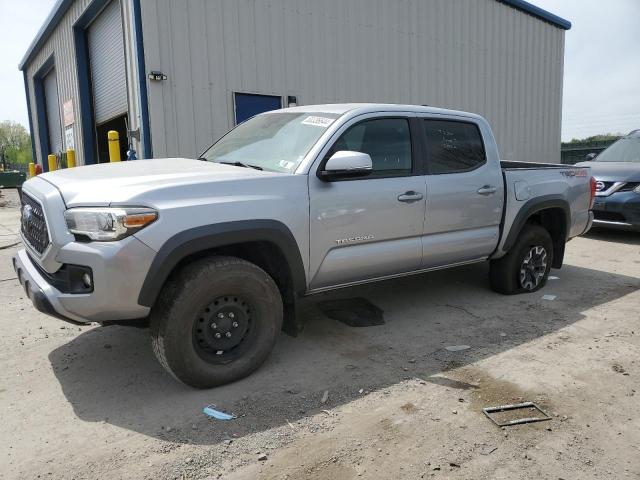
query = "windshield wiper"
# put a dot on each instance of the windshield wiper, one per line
(240, 164)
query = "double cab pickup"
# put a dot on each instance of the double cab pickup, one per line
(214, 253)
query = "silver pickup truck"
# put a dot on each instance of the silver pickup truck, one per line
(214, 253)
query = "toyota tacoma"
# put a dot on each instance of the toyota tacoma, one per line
(214, 253)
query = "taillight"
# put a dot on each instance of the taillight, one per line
(593, 192)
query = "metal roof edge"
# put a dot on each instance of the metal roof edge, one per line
(57, 12)
(538, 13)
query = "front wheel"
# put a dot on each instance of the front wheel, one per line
(216, 321)
(525, 268)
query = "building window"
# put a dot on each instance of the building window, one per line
(248, 105)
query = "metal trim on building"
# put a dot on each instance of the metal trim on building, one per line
(30, 117)
(539, 13)
(41, 110)
(145, 134)
(52, 102)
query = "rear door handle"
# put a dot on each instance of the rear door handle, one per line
(487, 190)
(410, 196)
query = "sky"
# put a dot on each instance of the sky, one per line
(602, 62)
(602, 66)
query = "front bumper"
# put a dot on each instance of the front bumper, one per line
(620, 210)
(37, 290)
(119, 269)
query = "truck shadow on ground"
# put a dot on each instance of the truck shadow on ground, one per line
(110, 374)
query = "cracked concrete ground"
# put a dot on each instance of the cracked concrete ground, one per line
(92, 402)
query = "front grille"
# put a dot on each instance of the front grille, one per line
(627, 187)
(34, 226)
(603, 186)
(608, 216)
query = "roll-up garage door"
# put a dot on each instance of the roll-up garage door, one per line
(53, 112)
(106, 57)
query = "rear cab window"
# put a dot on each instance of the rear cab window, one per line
(453, 146)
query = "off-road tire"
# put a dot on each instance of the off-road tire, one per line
(180, 305)
(505, 272)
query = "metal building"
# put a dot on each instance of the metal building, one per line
(174, 75)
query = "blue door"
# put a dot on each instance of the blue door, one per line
(249, 104)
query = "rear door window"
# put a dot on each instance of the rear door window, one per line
(453, 146)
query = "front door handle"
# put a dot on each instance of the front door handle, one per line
(487, 190)
(410, 196)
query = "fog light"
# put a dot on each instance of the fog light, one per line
(86, 280)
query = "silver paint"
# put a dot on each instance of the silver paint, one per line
(451, 219)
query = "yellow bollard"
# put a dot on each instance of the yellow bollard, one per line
(71, 158)
(114, 146)
(53, 162)
(32, 170)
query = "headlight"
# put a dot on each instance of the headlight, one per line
(637, 189)
(108, 224)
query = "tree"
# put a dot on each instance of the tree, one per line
(604, 137)
(15, 143)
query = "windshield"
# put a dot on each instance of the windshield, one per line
(624, 150)
(275, 141)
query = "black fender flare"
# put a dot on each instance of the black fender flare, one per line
(532, 207)
(208, 237)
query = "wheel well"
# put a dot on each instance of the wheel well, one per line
(272, 260)
(554, 221)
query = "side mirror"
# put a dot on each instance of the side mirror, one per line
(591, 156)
(346, 164)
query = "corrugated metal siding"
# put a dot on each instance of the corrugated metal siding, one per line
(106, 57)
(61, 44)
(476, 55)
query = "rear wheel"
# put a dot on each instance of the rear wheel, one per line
(525, 268)
(216, 321)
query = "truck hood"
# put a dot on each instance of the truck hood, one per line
(614, 171)
(122, 182)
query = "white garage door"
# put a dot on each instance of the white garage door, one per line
(53, 112)
(106, 57)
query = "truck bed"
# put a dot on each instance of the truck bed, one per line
(513, 165)
(550, 183)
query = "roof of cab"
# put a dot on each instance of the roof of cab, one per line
(362, 108)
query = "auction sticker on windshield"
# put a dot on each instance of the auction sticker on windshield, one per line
(315, 121)
(286, 164)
